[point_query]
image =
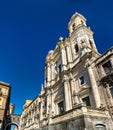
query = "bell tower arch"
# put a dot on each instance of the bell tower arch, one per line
(80, 34)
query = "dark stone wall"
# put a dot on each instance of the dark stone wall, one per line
(86, 122)
(92, 121)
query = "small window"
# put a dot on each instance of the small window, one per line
(58, 68)
(73, 26)
(0, 121)
(45, 103)
(86, 101)
(76, 48)
(0, 91)
(107, 67)
(46, 79)
(82, 22)
(82, 80)
(61, 107)
(111, 88)
(91, 44)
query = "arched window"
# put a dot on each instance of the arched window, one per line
(76, 48)
(73, 26)
(91, 44)
(82, 22)
(111, 87)
(61, 107)
(100, 127)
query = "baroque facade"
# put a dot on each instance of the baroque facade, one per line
(4, 103)
(78, 88)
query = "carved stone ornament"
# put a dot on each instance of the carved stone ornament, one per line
(65, 78)
(71, 76)
(87, 63)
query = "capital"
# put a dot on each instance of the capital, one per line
(65, 78)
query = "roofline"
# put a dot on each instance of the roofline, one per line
(4, 83)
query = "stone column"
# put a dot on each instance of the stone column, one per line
(110, 98)
(94, 87)
(74, 92)
(67, 93)
(63, 57)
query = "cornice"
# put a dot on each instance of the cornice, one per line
(5, 84)
(107, 54)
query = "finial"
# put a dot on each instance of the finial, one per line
(61, 38)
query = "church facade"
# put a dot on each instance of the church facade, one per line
(78, 88)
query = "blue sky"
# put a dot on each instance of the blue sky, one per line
(30, 28)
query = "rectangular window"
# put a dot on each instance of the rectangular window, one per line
(111, 88)
(39, 105)
(81, 80)
(107, 67)
(73, 26)
(61, 107)
(0, 91)
(86, 101)
(58, 68)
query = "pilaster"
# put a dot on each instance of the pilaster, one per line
(73, 51)
(94, 87)
(63, 55)
(69, 54)
(52, 73)
(48, 74)
(67, 93)
(74, 92)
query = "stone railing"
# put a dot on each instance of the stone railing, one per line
(67, 115)
(96, 111)
(80, 110)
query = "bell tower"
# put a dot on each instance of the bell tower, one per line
(80, 34)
